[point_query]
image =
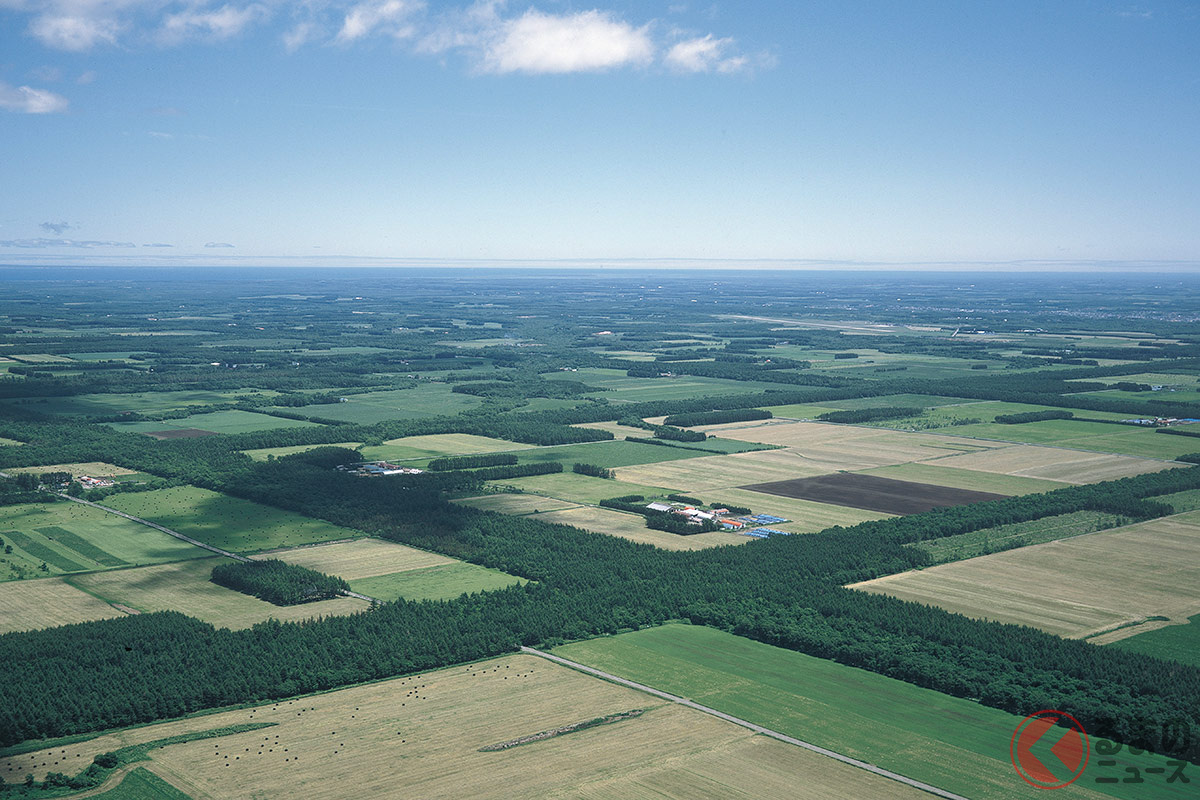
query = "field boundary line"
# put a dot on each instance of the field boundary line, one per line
(783, 737)
(190, 540)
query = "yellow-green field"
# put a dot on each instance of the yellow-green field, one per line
(580, 488)
(262, 453)
(616, 429)
(47, 603)
(438, 444)
(420, 737)
(931, 472)
(633, 527)
(516, 504)
(9, 442)
(361, 558)
(185, 586)
(1074, 587)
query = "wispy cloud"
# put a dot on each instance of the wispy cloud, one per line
(157, 244)
(42, 243)
(217, 244)
(389, 17)
(27, 100)
(492, 39)
(57, 228)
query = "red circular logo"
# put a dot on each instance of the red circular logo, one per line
(1046, 757)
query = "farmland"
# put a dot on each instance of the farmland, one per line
(607, 454)
(215, 422)
(263, 453)
(1178, 642)
(1075, 587)
(387, 571)
(426, 400)
(873, 493)
(633, 527)
(96, 469)
(226, 522)
(185, 587)
(43, 603)
(1054, 464)
(438, 444)
(69, 537)
(424, 732)
(951, 743)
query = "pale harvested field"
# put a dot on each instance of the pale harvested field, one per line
(633, 527)
(619, 431)
(185, 587)
(361, 558)
(93, 469)
(456, 444)
(517, 504)
(30, 605)
(1055, 464)
(1072, 587)
(420, 737)
(793, 434)
(715, 472)
(806, 516)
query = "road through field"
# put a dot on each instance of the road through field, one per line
(190, 540)
(854, 762)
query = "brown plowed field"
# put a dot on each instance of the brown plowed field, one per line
(873, 493)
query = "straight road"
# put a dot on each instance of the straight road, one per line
(854, 762)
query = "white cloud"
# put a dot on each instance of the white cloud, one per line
(217, 244)
(299, 35)
(220, 23)
(704, 54)
(74, 32)
(587, 41)
(27, 100)
(391, 17)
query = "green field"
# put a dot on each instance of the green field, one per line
(617, 453)
(216, 422)
(623, 389)
(137, 402)
(9, 442)
(954, 744)
(426, 400)
(1177, 642)
(142, 784)
(1019, 534)
(226, 522)
(442, 582)
(1182, 501)
(70, 537)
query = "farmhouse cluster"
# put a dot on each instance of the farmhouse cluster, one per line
(749, 525)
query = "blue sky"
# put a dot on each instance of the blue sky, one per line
(330, 131)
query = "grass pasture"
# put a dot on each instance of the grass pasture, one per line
(226, 522)
(1101, 437)
(139, 402)
(438, 444)
(582, 489)
(951, 743)
(1018, 534)
(95, 469)
(47, 603)
(424, 733)
(9, 442)
(610, 454)
(216, 422)
(263, 453)
(1074, 587)
(142, 784)
(184, 586)
(70, 537)
(623, 389)
(1177, 642)
(708, 473)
